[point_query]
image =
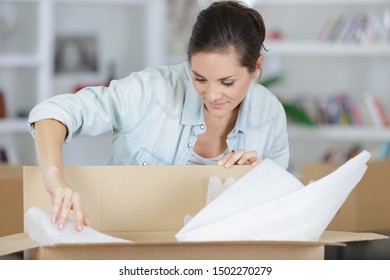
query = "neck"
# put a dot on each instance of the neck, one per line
(224, 124)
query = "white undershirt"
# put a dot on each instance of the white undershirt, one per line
(196, 159)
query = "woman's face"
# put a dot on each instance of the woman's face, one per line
(221, 81)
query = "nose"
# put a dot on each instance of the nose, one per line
(212, 92)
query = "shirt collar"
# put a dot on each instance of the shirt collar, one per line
(193, 107)
(193, 104)
(242, 117)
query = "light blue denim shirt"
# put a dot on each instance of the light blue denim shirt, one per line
(156, 116)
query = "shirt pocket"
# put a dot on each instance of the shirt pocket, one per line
(145, 157)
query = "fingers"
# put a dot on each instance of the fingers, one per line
(57, 203)
(230, 158)
(86, 220)
(248, 158)
(256, 162)
(61, 206)
(65, 200)
(240, 157)
(78, 212)
(65, 208)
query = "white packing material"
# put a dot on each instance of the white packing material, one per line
(216, 187)
(269, 203)
(45, 233)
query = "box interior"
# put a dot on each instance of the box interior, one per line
(367, 208)
(147, 204)
(11, 199)
(140, 203)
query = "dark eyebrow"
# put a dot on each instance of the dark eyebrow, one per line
(221, 79)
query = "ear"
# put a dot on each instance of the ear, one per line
(259, 67)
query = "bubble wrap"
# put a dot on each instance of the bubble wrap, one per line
(45, 233)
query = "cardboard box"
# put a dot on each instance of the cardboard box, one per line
(11, 199)
(368, 206)
(147, 204)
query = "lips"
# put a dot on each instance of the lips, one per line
(217, 105)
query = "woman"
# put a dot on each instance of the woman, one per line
(209, 110)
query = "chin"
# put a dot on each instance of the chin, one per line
(219, 113)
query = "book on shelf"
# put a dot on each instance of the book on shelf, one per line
(351, 28)
(326, 28)
(336, 155)
(358, 28)
(384, 151)
(337, 29)
(2, 105)
(380, 152)
(376, 111)
(343, 109)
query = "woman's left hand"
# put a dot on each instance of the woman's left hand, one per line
(241, 158)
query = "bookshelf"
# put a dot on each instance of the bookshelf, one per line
(314, 66)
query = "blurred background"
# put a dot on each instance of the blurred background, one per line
(327, 60)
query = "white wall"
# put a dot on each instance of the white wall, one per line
(120, 30)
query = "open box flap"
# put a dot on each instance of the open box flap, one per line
(345, 236)
(16, 243)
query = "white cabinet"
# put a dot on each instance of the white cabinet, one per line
(318, 67)
(128, 33)
(24, 70)
(23, 66)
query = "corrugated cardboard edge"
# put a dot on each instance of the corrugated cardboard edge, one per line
(16, 243)
(183, 251)
(345, 236)
(179, 250)
(153, 250)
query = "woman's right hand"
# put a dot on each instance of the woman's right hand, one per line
(64, 199)
(49, 138)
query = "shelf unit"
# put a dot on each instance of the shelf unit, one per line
(25, 71)
(339, 133)
(318, 68)
(310, 48)
(19, 61)
(310, 65)
(13, 126)
(318, 2)
(27, 67)
(32, 60)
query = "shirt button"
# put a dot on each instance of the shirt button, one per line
(202, 126)
(144, 163)
(189, 145)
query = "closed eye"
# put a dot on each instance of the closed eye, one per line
(227, 84)
(200, 80)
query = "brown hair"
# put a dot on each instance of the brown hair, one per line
(228, 25)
